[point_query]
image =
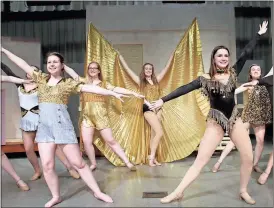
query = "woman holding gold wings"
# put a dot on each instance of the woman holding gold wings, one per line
(94, 114)
(128, 123)
(149, 86)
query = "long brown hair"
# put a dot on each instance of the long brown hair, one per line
(249, 72)
(142, 77)
(213, 67)
(100, 76)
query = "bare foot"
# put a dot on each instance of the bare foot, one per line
(36, 176)
(55, 200)
(216, 167)
(92, 167)
(103, 197)
(171, 197)
(263, 178)
(74, 174)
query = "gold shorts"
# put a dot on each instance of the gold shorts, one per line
(94, 114)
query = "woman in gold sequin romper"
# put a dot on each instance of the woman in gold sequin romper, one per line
(149, 86)
(256, 113)
(55, 127)
(94, 114)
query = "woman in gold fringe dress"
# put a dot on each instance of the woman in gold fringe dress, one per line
(257, 113)
(94, 114)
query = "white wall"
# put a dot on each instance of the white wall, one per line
(30, 51)
(160, 27)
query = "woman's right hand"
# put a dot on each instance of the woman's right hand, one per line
(119, 96)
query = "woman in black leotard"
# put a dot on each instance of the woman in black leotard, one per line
(223, 116)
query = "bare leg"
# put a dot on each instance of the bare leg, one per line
(28, 138)
(47, 155)
(60, 154)
(156, 126)
(212, 137)
(264, 176)
(72, 152)
(242, 141)
(10, 170)
(228, 148)
(115, 146)
(259, 133)
(87, 135)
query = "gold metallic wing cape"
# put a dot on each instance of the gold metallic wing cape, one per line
(183, 119)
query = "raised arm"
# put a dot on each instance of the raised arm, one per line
(129, 71)
(8, 72)
(101, 91)
(15, 80)
(164, 71)
(71, 72)
(238, 66)
(270, 72)
(267, 81)
(18, 61)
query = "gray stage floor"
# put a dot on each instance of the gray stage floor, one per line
(126, 188)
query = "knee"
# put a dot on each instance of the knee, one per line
(48, 166)
(87, 140)
(79, 164)
(159, 133)
(200, 163)
(260, 140)
(111, 142)
(247, 159)
(29, 149)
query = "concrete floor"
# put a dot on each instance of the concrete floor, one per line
(126, 188)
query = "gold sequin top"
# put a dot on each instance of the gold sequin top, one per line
(90, 97)
(152, 92)
(59, 93)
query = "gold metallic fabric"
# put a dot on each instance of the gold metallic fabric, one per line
(183, 119)
(59, 93)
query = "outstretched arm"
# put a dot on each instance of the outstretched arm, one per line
(124, 91)
(18, 61)
(238, 66)
(14, 80)
(129, 71)
(164, 71)
(101, 91)
(177, 93)
(8, 72)
(71, 72)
